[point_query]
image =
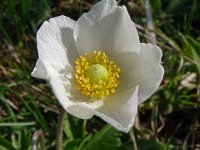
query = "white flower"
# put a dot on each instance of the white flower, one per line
(97, 65)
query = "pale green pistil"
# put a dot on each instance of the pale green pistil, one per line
(97, 73)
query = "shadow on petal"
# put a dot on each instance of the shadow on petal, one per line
(73, 93)
(69, 42)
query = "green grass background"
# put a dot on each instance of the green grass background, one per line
(170, 119)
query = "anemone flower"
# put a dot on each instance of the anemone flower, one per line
(97, 65)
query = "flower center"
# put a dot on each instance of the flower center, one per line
(96, 75)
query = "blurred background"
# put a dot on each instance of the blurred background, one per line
(169, 120)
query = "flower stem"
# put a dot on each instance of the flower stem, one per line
(59, 132)
(132, 136)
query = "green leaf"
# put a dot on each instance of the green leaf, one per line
(194, 47)
(84, 141)
(150, 144)
(25, 8)
(107, 146)
(9, 108)
(33, 108)
(25, 140)
(36, 113)
(3, 148)
(17, 124)
(74, 128)
(191, 17)
(104, 134)
(72, 145)
(6, 143)
(67, 130)
(156, 6)
(11, 7)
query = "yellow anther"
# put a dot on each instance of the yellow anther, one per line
(96, 75)
(112, 90)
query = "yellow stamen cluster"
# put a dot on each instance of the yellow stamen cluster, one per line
(96, 75)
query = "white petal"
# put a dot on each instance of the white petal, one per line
(141, 69)
(106, 27)
(150, 83)
(67, 96)
(119, 109)
(55, 42)
(39, 71)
